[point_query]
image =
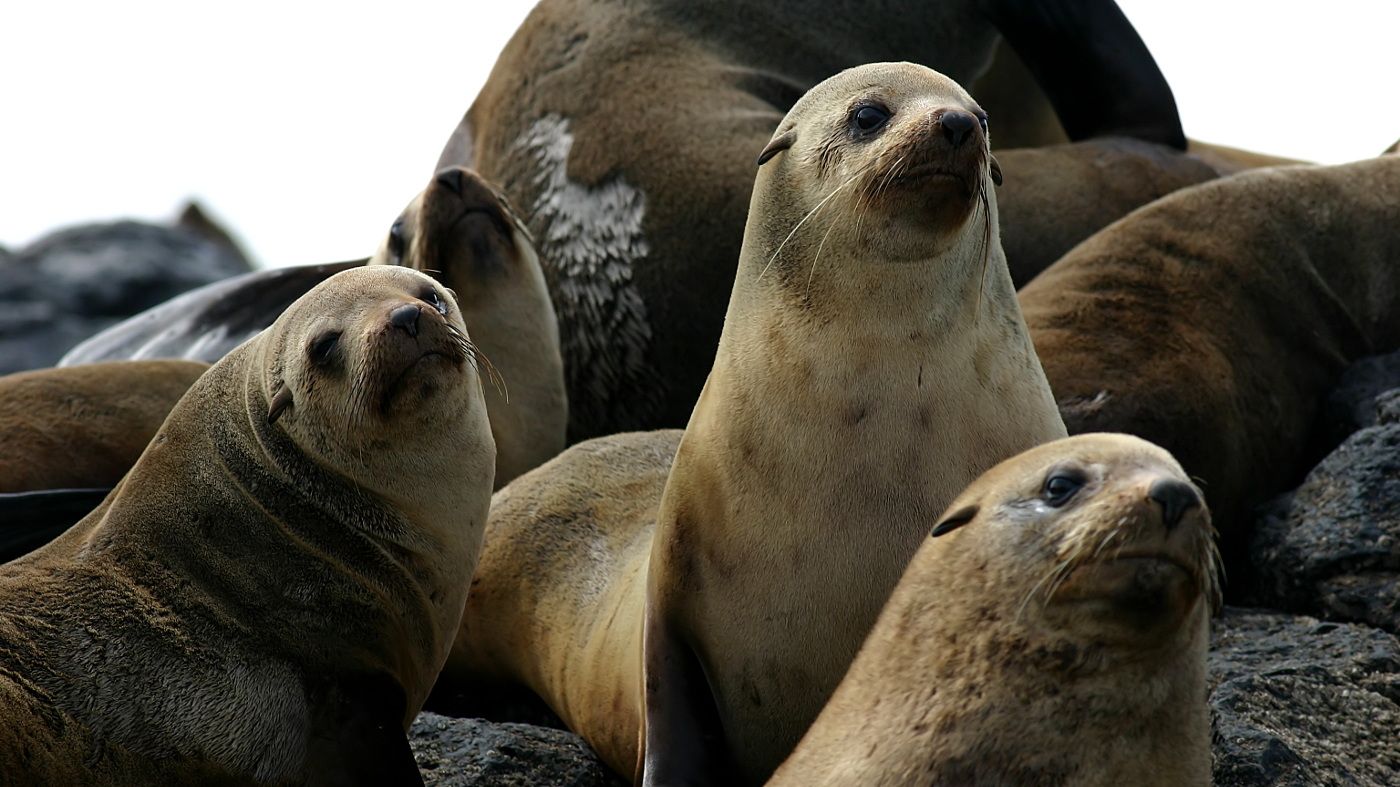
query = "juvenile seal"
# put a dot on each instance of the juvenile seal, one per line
(1214, 321)
(84, 426)
(271, 590)
(873, 363)
(1053, 630)
(462, 231)
(624, 131)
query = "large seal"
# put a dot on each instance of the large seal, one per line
(624, 131)
(462, 231)
(271, 591)
(85, 426)
(873, 362)
(1214, 322)
(1052, 631)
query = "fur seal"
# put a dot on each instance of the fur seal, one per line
(625, 130)
(84, 427)
(1215, 320)
(270, 591)
(463, 232)
(1052, 630)
(873, 362)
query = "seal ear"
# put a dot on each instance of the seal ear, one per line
(996, 169)
(281, 400)
(954, 521)
(777, 145)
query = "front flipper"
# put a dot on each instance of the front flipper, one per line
(684, 738)
(205, 323)
(29, 520)
(357, 735)
(1094, 67)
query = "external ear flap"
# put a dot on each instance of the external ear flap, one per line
(281, 400)
(778, 144)
(996, 169)
(954, 521)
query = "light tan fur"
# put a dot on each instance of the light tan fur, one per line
(84, 426)
(1037, 644)
(1228, 161)
(272, 589)
(472, 241)
(873, 362)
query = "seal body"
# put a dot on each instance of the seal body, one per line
(873, 362)
(625, 133)
(1215, 320)
(271, 590)
(1052, 630)
(463, 232)
(84, 427)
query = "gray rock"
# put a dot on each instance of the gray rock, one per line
(1351, 406)
(1332, 547)
(74, 282)
(476, 753)
(1297, 701)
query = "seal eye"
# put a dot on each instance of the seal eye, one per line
(430, 296)
(1060, 487)
(320, 350)
(396, 240)
(869, 118)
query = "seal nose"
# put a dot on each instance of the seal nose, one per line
(406, 318)
(957, 125)
(451, 179)
(1175, 497)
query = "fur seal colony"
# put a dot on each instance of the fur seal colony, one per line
(873, 363)
(1214, 321)
(625, 132)
(1051, 631)
(270, 592)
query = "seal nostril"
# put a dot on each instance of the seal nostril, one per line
(406, 317)
(1175, 497)
(451, 179)
(957, 126)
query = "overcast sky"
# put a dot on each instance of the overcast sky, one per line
(305, 127)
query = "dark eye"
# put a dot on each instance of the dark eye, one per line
(869, 118)
(1060, 487)
(396, 240)
(321, 349)
(983, 120)
(430, 296)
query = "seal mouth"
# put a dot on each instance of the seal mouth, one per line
(1141, 579)
(400, 381)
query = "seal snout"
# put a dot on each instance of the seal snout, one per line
(405, 318)
(957, 126)
(1175, 497)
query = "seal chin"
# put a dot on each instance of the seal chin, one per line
(424, 376)
(1137, 592)
(468, 217)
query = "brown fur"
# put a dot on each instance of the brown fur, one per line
(873, 362)
(267, 595)
(1008, 91)
(1215, 320)
(1065, 193)
(658, 109)
(1229, 161)
(84, 426)
(1019, 649)
(473, 242)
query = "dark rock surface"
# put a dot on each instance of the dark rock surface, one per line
(74, 282)
(1351, 406)
(1332, 547)
(477, 753)
(1296, 701)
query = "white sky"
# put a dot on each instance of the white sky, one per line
(306, 126)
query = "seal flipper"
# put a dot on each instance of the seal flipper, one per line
(1093, 66)
(205, 323)
(357, 734)
(29, 520)
(684, 740)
